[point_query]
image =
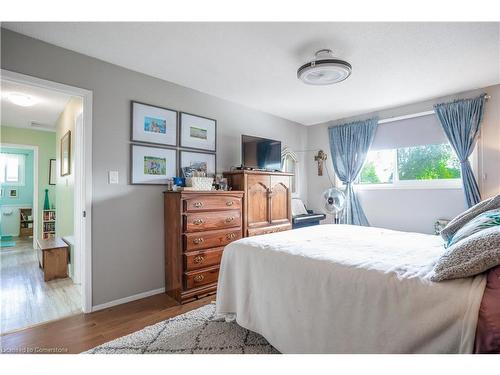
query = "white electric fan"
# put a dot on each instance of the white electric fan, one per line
(333, 202)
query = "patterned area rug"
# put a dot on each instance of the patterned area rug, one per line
(196, 332)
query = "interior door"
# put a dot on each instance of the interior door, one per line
(258, 200)
(280, 199)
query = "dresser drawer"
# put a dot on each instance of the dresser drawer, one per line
(206, 240)
(202, 258)
(216, 202)
(267, 230)
(195, 279)
(200, 221)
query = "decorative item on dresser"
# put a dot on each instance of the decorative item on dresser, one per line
(198, 224)
(267, 203)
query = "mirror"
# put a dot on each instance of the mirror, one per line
(289, 163)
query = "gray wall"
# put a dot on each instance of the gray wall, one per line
(414, 209)
(127, 222)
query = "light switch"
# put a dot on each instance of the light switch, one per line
(113, 177)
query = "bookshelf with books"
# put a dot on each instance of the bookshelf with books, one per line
(49, 224)
(26, 222)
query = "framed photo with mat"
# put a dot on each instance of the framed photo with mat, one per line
(199, 161)
(197, 132)
(152, 165)
(52, 172)
(152, 124)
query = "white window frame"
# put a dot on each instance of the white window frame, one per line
(21, 171)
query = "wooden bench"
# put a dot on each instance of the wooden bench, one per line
(53, 258)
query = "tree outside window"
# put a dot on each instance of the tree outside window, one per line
(418, 163)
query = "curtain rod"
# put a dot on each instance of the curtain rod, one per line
(413, 115)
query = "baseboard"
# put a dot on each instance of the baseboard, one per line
(128, 299)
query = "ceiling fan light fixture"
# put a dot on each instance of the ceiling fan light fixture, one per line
(324, 69)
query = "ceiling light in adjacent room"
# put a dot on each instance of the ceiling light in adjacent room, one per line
(22, 99)
(325, 69)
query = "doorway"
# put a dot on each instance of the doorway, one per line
(60, 208)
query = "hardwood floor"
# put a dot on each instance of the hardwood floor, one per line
(25, 298)
(81, 332)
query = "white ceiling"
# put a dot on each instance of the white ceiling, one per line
(46, 111)
(255, 64)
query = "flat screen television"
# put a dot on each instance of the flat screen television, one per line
(260, 153)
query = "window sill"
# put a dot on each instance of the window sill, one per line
(424, 186)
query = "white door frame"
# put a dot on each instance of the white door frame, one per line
(35, 212)
(83, 235)
(78, 259)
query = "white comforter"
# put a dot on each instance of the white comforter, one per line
(348, 289)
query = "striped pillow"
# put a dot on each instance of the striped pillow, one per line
(458, 222)
(482, 221)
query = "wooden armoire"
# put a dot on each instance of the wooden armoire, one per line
(267, 200)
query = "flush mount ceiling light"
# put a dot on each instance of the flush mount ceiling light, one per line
(325, 69)
(21, 99)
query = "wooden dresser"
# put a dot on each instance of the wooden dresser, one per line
(197, 227)
(267, 203)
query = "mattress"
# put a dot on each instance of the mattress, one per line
(348, 289)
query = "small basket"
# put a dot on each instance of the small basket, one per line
(200, 183)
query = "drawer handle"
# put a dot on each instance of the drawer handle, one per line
(198, 204)
(229, 219)
(198, 221)
(230, 236)
(198, 278)
(229, 203)
(197, 241)
(198, 259)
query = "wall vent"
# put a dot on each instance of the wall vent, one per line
(40, 126)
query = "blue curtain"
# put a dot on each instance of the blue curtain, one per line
(349, 144)
(461, 120)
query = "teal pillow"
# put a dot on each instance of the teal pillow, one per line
(482, 221)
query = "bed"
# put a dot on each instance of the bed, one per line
(348, 289)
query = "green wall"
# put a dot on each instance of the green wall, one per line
(46, 142)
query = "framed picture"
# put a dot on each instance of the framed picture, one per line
(52, 172)
(66, 154)
(198, 132)
(151, 124)
(12, 193)
(152, 165)
(190, 160)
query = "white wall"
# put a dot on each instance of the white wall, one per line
(417, 209)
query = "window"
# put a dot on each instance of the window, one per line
(411, 152)
(417, 165)
(12, 169)
(430, 162)
(379, 167)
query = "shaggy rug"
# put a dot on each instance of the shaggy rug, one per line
(196, 332)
